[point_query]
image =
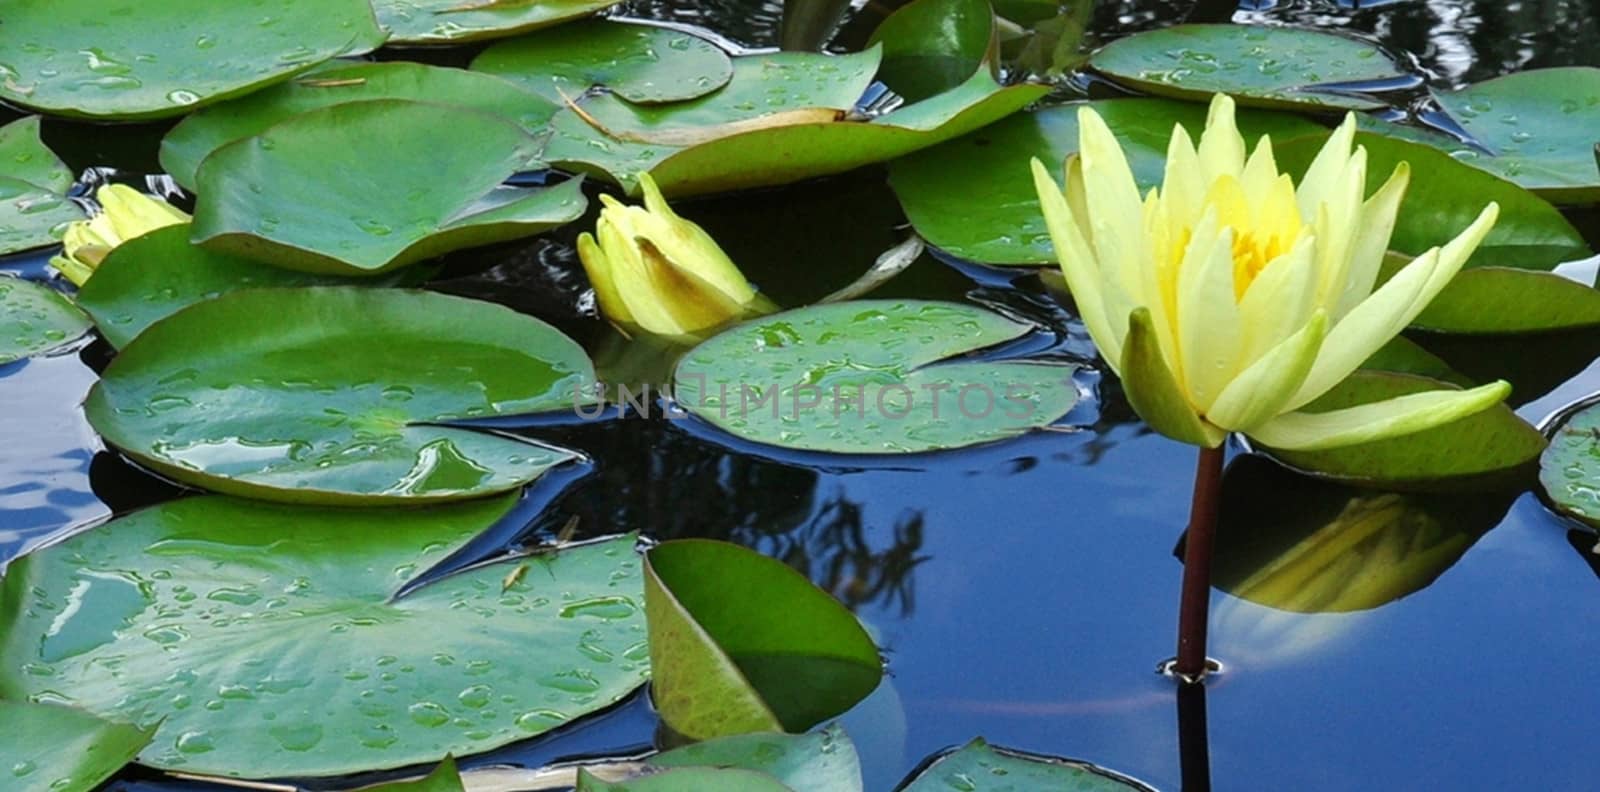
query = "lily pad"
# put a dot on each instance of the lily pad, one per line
(1298, 544)
(686, 779)
(936, 186)
(25, 157)
(643, 64)
(1445, 196)
(1569, 470)
(322, 394)
(36, 319)
(822, 761)
(190, 142)
(1491, 450)
(131, 59)
(740, 643)
(1259, 65)
(267, 640)
(61, 749)
(824, 379)
(1404, 356)
(444, 778)
(294, 196)
(151, 277)
(1493, 300)
(454, 21)
(32, 216)
(980, 767)
(931, 46)
(1540, 125)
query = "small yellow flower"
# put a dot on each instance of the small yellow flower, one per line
(1230, 297)
(657, 272)
(125, 213)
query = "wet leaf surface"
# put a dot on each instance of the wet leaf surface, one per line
(871, 377)
(980, 767)
(266, 641)
(126, 59)
(61, 749)
(26, 158)
(1540, 127)
(642, 64)
(321, 394)
(32, 216)
(931, 46)
(1569, 470)
(454, 21)
(822, 761)
(725, 663)
(35, 319)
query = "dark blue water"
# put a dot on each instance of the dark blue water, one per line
(1024, 591)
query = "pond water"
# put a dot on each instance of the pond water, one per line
(1024, 591)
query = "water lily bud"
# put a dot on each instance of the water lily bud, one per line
(125, 213)
(1231, 297)
(657, 272)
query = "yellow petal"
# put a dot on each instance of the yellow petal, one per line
(1337, 218)
(1323, 175)
(1078, 265)
(1077, 196)
(1384, 314)
(1376, 227)
(1115, 210)
(1182, 185)
(1261, 170)
(1153, 392)
(1260, 392)
(1279, 301)
(132, 213)
(1207, 319)
(1401, 415)
(598, 268)
(1221, 146)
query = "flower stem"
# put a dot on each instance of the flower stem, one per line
(1194, 607)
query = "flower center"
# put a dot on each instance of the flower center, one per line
(1252, 251)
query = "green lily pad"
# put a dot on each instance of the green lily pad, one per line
(267, 640)
(32, 216)
(1569, 470)
(338, 82)
(741, 643)
(1492, 300)
(294, 196)
(1445, 196)
(762, 87)
(25, 157)
(643, 64)
(1295, 543)
(454, 21)
(444, 778)
(980, 767)
(127, 59)
(321, 394)
(151, 277)
(686, 779)
(931, 46)
(823, 379)
(1404, 356)
(36, 319)
(935, 186)
(1540, 124)
(822, 761)
(1490, 450)
(61, 749)
(1259, 65)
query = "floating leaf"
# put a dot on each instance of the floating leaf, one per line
(979, 767)
(1404, 356)
(931, 46)
(1491, 449)
(1258, 65)
(24, 157)
(35, 319)
(454, 21)
(32, 216)
(936, 186)
(1504, 300)
(643, 64)
(294, 196)
(1540, 125)
(125, 59)
(322, 394)
(268, 641)
(444, 778)
(1569, 470)
(1445, 196)
(686, 779)
(822, 761)
(1298, 544)
(822, 379)
(190, 142)
(741, 643)
(60, 749)
(151, 277)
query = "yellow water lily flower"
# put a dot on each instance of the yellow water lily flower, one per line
(657, 272)
(1230, 297)
(125, 213)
